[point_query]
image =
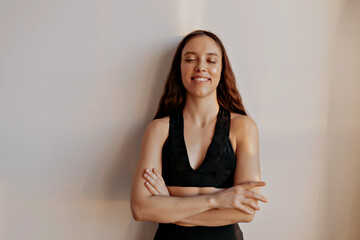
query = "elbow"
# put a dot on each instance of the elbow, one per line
(136, 212)
(142, 212)
(244, 217)
(249, 218)
(137, 217)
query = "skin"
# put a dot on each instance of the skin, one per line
(152, 200)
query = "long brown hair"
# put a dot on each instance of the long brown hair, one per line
(174, 95)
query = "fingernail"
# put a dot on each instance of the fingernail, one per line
(147, 170)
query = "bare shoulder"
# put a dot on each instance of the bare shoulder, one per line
(242, 124)
(159, 128)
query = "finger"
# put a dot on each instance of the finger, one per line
(160, 180)
(157, 173)
(254, 195)
(151, 174)
(249, 202)
(248, 185)
(151, 189)
(253, 183)
(246, 209)
(157, 183)
(152, 181)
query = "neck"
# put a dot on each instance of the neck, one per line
(201, 111)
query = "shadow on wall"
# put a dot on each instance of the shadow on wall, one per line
(343, 208)
(112, 181)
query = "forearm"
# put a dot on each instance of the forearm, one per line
(216, 217)
(169, 209)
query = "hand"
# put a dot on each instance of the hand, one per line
(155, 183)
(241, 197)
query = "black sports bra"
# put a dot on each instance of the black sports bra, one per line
(218, 166)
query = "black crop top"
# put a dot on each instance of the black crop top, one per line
(218, 166)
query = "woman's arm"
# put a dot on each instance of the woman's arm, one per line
(247, 154)
(216, 217)
(164, 209)
(156, 186)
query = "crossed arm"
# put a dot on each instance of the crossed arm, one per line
(213, 217)
(203, 209)
(216, 217)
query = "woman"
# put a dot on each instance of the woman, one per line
(198, 175)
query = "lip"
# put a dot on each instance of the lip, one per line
(198, 76)
(200, 82)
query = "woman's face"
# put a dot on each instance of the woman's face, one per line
(201, 66)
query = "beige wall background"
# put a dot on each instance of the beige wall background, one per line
(80, 80)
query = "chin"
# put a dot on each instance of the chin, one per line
(201, 94)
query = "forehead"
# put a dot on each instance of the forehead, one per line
(202, 45)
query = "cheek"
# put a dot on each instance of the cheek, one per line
(185, 69)
(184, 73)
(216, 70)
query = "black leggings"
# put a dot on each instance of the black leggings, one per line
(169, 231)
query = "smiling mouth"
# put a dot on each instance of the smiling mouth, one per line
(200, 79)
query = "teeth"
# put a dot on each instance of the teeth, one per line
(200, 79)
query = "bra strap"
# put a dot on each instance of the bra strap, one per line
(225, 121)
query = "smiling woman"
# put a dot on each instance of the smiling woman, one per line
(199, 54)
(199, 173)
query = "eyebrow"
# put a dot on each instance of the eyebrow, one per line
(206, 54)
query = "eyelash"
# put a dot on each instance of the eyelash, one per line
(190, 60)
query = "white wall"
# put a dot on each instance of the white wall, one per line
(80, 80)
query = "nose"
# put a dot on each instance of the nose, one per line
(200, 67)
